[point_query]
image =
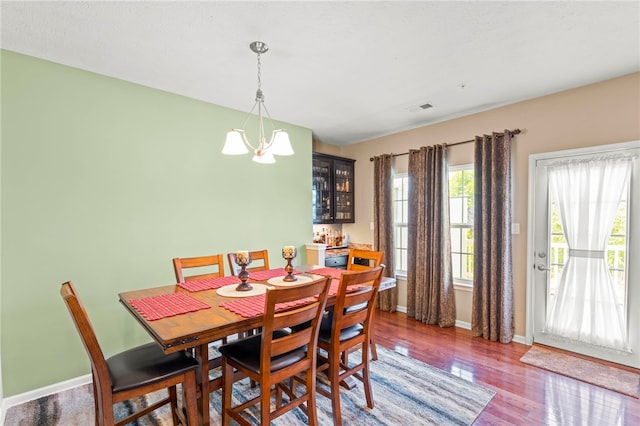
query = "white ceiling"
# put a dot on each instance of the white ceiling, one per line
(350, 71)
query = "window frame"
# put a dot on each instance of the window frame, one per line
(404, 177)
(459, 282)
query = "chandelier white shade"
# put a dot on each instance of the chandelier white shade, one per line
(263, 152)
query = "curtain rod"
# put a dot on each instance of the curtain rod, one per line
(511, 132)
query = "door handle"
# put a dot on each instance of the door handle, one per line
(541, 267)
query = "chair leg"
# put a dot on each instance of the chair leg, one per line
(278, 395)
(190, 399)
(104, 406)
(265, 403)
(227, 389)
(173, 404)
(202, 356)
(374, 350)
(334, 374)
(372, 341)
(365, 376)
(96, 406)
(310, 388)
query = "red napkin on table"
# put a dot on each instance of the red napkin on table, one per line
(209, 283)
(166, 305)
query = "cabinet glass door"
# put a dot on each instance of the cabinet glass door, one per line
(322, 194)
(343, 178)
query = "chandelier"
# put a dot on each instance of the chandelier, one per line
(237, 142)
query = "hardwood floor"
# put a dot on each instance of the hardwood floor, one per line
(525, 395)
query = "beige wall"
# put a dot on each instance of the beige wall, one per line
(602, 113)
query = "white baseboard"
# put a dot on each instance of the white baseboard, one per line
(463, 324)
(521, 339)
(39, 393)
(467, 326)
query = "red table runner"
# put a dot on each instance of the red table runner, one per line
(335, 285)
(166, 305)
(271, 273)
(332, 272)
(209, 283)
(248, 307)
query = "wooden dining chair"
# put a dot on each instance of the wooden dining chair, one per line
(348, 328)
(203, 266)
(132, 373)
(359, 260)
(279, 353)
(259, 262)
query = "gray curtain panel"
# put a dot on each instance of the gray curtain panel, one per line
(383, 220)
(492, 309)
(430, 295)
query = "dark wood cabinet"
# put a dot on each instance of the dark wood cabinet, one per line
(333, 189)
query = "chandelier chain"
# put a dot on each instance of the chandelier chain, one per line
(259, 95)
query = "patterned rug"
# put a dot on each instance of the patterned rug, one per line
(602, 375)
(405, 391)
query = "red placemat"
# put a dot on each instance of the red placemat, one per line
(166, 305)
(332, 272)
(335, 284)
(271, 273)
(248, 307)
(209, 283)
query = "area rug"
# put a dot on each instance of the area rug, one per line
(405, 391)
(605, 376)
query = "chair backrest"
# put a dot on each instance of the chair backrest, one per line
(304, 320)
(259, 262)
(359, 260)
(214, 264)
(355, 305)
(81, 320)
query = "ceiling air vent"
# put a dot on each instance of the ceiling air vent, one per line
(426, 106)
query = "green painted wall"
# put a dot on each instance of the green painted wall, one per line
(103, 183)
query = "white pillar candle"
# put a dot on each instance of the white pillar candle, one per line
(289, 252)
(242, 257)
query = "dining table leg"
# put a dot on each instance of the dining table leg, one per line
(202, 356)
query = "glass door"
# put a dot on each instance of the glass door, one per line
(583, 286)
(322, 191)
(343, 179)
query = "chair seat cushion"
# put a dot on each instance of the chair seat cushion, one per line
(246, 352)
(146, 364)
(345, 334)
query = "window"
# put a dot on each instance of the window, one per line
(461, 217)
(400, 221)
(461, 187)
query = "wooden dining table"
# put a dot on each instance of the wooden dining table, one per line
(206, 317)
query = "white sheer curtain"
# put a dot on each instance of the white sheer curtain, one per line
(587, 194)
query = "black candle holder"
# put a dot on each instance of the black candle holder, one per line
(289, 270)
(243, 259)
(289, 253)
